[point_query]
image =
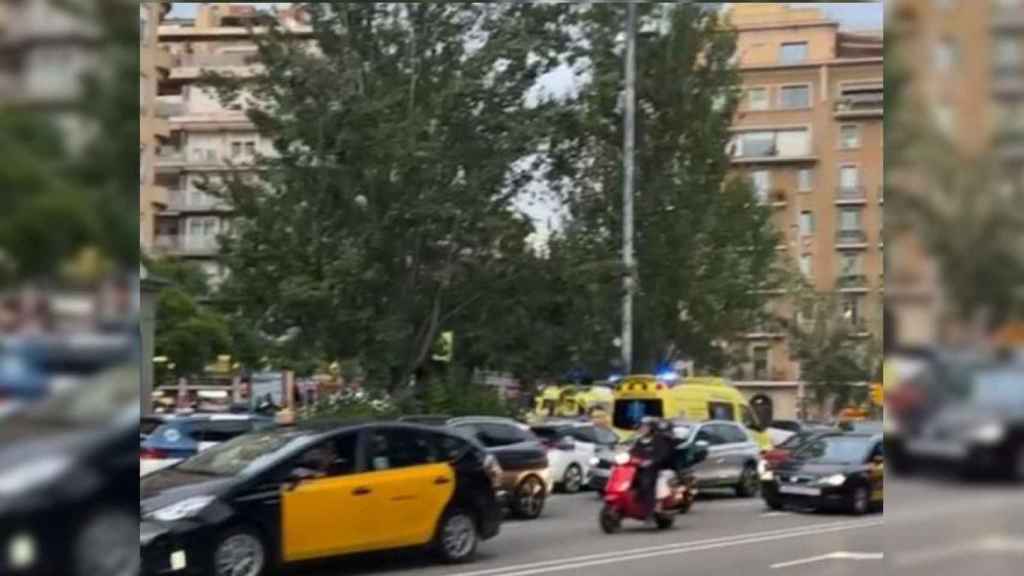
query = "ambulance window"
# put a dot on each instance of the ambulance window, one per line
(721, 411)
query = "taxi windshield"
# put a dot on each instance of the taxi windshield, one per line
(244, 454)
(836, 450)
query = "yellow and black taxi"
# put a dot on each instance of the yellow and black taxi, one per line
(831, 472)
(315, 491)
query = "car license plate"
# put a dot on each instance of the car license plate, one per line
(800, 490)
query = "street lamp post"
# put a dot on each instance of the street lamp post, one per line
(627, 189)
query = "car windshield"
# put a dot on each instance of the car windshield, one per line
(836, 450)
(243, 455)
(630, 413)
(999, 388)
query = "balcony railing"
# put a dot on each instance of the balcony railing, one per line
(217, 59)
(189, 201)
(852, 281)
(846, 237)
(866, 104)
(1007, 17)
(170, 108)
(850, 194)
(185, 245)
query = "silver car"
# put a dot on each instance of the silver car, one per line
(732, 462)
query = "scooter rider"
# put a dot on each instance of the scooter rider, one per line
(655, 450)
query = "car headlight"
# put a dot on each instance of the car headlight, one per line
(833, 480)
(767, 475)
(622, 458)
(595, 461)
(989, 433)
(185, 509)
(762, 467)
(32, 473)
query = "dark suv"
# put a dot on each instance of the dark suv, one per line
(526, 477)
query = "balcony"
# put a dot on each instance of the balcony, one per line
(864, 105)
(170, 106)
(850, 195)
(1009, 142)
(851, 239)
(771, 156)
(213, 60)
(175, 245)
(1007, 18)
(169, 159)
(775, 197)
(852, 283)
(190, 201)
(1008, 81)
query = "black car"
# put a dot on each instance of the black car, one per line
(979, 428)
(526, 477)
(315, 491)
(68, 468)
(831, 472)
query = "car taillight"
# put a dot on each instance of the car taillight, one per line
(152, 454)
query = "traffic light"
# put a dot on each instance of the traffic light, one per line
(443, 347)
(877, 394)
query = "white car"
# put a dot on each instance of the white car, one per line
(571, 448)
(164, 443)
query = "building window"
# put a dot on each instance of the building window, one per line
(806, 267)
(236, 149)
(849, 178)
(946, 55)
(850, 219)
(760, 354)
(784, 143)
(757, 99)
(762, 183)
(793, 52)
(805, 179)
(250, 148)
(807, 223)
(851, 311)
(795, 97)
(849, 136)
(849, 264)
(944, 117)
(1007, 51)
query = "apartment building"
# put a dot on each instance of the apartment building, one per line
(44, 51)
(966, 63)
(154, 129)
(809, 135)
(207, 140)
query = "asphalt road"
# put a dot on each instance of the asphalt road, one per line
(947, 527)
(722, 535)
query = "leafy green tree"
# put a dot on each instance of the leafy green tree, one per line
(403, 134)
(704, 247)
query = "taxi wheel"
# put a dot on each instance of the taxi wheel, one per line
(572, 482)
(103, 545)
(239, 552)
(457, 537)
(860, 501)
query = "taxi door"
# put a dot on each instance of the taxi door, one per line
(411, 489)
(326, 516)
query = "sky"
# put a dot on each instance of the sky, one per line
(850, 16)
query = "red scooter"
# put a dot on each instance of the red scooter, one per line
(620, 498)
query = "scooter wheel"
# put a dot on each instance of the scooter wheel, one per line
(611, 521)
(664, 521)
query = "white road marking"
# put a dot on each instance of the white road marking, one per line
(775, 514)
(573, 564)
(832, 556)
(992, 544)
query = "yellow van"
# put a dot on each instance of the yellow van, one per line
(696, 399)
